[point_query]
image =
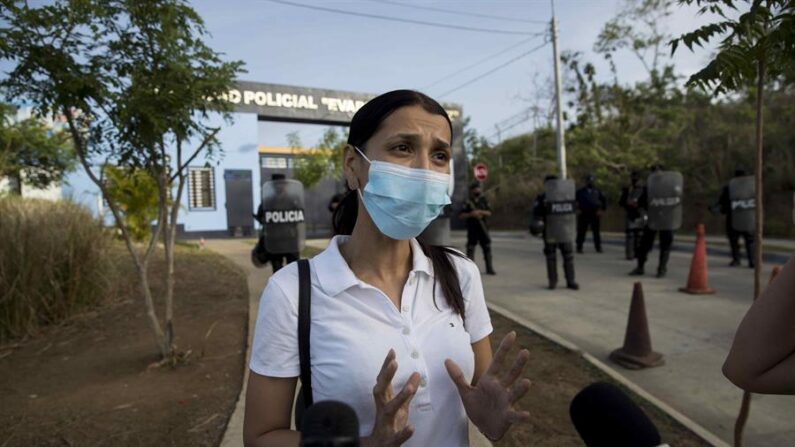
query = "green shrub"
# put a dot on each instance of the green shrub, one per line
(53, 263)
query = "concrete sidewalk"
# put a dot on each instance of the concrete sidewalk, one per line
(694, 332)
(238, 250)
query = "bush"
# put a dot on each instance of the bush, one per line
(53, 263)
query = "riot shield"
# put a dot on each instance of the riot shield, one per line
(742, 195)
(664, 191)
(283, 219)
(561, 222)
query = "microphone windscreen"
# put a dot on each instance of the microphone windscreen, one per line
(330, 423)
(605, 416)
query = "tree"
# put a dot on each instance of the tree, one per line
(759, 46)
(32, 153)
(645, 42)
(136, 195)
(324, 160)
(139, 89)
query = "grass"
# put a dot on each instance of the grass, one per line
(53, 263)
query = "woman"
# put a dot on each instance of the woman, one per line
(388, 312)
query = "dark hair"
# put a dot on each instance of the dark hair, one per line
(364, 125)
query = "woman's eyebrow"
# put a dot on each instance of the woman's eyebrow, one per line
(405, 136)
(441, 143)
(438, 143)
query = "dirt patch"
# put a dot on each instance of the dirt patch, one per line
(558, 375)
(86, 382)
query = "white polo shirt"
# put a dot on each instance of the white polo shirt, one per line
(355, 324)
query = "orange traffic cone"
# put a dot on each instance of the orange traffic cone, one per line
(697, 282)
(636, 352)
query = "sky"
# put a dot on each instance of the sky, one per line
(282, 43)
(287, 44)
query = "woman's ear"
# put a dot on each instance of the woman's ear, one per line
(349, 160)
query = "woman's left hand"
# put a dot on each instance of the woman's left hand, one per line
(489, 403)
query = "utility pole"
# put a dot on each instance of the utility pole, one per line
(499, 143)
(561, 144)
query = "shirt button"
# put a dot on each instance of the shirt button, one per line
(415, 355)
(406, 331)
(405, 308)
(423, 382)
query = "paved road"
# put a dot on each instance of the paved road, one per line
(694, 332)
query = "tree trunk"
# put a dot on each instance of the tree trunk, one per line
(168, 246)
(141, 263)
(745, 407)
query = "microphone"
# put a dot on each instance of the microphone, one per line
(605, 416)
(330, 424)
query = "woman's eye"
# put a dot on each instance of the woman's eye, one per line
(401, 147)
(441, 156)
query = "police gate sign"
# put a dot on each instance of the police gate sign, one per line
(481, 172)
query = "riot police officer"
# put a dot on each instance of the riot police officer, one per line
(591, 203)
(635, 218)
(282, 216)
(661, 200)
(476, 211)
(738, 202)
(555, 209)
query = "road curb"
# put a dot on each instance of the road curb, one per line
(690, 424)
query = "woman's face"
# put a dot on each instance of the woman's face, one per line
(410, 137)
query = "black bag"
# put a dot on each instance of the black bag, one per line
(260, 255)
(304, 399)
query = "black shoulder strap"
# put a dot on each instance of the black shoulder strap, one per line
(304, 320)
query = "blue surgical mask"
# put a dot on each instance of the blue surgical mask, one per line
(403, 201)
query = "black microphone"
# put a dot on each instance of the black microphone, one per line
(605, 416)
(330, 423)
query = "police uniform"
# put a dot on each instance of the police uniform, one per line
(540, 212)
(478, 230)
(725, 205)
(590, 203)
(647, 242)
(634, 219)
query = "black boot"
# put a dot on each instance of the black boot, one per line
(639, 271)
(487, 256)
(552, 272)
(471, 252)
(629, 246)
(662, 267)
(568, 269)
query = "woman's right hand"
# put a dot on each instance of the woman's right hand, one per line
(391, 426)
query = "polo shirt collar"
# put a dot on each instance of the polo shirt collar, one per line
(336, 276)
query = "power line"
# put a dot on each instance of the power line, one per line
(485, 59)
(524, 114)
(503, 129)
(461, 13)
(503, 65)
(397, 19)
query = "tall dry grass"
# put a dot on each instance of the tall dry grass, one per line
(54, 262)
